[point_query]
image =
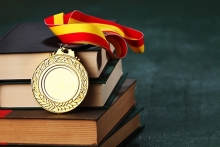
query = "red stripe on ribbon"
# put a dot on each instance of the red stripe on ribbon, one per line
(85, 38)
(50, 20)
(120, 45)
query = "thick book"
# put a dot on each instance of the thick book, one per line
(121, 134)
(18, 94)
(27, 44)
(87, 127)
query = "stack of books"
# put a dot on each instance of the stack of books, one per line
(108, 116)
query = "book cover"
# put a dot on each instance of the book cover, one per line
(23, 38)
(22, 49)
(84, 127)
(122, 133)
(18, 93)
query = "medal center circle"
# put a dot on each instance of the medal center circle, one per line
(60, 84)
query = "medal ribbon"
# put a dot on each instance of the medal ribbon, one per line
(79, 28)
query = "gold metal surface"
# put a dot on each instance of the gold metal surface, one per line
(60, 82)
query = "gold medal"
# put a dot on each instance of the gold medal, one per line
(60, 82)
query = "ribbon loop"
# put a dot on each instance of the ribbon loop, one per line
(80, 28)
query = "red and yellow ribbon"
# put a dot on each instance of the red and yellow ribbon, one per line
(80, 28)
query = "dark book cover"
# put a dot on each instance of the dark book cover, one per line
(33, 38)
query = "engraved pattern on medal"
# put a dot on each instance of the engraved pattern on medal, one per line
(60, 107)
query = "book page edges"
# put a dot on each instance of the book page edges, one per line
(22, 66)
(59, 132)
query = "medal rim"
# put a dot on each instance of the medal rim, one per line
(64, 60)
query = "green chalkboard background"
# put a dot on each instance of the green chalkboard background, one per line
(179, 73)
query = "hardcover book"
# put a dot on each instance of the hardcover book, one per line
(120, 135)
(18, 94)
(81, 127)
(28, 44)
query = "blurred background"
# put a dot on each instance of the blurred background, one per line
(178, 75)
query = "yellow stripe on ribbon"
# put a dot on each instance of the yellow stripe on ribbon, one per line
(83, 28)
(58, 19)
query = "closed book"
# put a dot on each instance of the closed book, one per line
(120, 135)
(27, 44)
(18, 94)
(80, 127)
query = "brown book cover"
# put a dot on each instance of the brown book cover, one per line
(122, 133)
(85, 127)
